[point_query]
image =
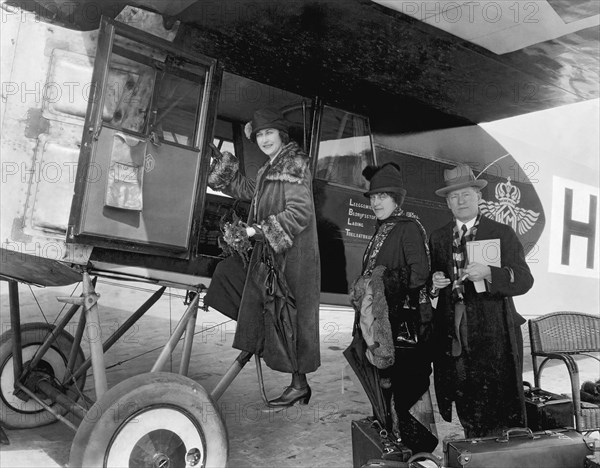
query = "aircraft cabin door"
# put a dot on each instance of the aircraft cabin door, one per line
(139, 174)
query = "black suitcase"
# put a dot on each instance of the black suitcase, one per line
(592, 461)
(370, 440)
(520, 448)
(546, 410)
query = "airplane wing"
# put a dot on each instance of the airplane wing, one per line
(480, 61)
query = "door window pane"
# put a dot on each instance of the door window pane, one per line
(345, 148)
(176, 108)
(153, 93)
(128, 94)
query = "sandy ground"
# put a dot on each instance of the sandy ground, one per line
(312, 436)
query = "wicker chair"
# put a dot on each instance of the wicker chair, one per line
(561, 335)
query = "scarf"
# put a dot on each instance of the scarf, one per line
(384, 227)
(459, 259)
(459, 256)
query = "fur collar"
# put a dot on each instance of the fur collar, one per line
(290, 165)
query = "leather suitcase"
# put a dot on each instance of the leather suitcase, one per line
(546, 410)
(520, 448)
(371, 441)
(592, 461)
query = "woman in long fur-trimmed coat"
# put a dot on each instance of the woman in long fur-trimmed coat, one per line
(282, 214)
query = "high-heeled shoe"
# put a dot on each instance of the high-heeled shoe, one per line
(290, 396)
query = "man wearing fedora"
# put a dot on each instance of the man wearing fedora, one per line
(478, 359)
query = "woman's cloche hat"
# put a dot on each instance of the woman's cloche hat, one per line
(266, 118)
(459, 177)
(386, 178)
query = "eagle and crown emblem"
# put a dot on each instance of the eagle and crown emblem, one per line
(506, 211)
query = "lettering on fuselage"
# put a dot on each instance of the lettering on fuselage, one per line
(359, 222)
(574, 236)
(572, 227)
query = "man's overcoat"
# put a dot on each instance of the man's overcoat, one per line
(282, 206)
(486, 380)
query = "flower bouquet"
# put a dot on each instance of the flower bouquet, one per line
(235, 238)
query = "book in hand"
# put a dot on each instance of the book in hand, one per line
(486, 252)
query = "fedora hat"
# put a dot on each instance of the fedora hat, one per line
(386, 178)
(266, 118)
(459, 177)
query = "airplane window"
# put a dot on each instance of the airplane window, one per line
(175, 115)
(300, 115)
(224, 145)
(345, 148)
(128, 94)
(151, 93)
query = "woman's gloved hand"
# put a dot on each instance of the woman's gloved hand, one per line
(222, 169)
(255, 232)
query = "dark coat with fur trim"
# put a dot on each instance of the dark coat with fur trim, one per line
(282, 206)
(486, 380)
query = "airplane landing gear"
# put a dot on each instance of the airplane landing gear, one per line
(154, 419)
(157, 419)
(23, 412)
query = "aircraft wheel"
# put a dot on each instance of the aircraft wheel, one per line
(14, 412)
(152, 420)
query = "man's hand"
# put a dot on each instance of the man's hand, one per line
(439, 280)
(478, 272)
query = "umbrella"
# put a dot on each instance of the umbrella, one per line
(414, 434)
(368, 375)
(279, 352)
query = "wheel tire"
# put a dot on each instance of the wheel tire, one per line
(14, 412)
(154, 418)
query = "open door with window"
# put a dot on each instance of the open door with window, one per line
(140, 167)
(345, 221)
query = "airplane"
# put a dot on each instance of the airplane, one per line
(110, 114)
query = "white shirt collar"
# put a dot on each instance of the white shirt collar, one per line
(469, 224)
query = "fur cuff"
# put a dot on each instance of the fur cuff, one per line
(222, 171)
(275, 234)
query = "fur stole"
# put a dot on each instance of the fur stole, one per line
(290, 165)
(368, 298)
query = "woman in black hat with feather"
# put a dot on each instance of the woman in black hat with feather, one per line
(395, 320)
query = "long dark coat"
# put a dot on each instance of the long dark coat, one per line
(406, 262)
(282, 206)
(485, 381)
(407, 271)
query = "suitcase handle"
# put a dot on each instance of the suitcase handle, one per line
(506, 434)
